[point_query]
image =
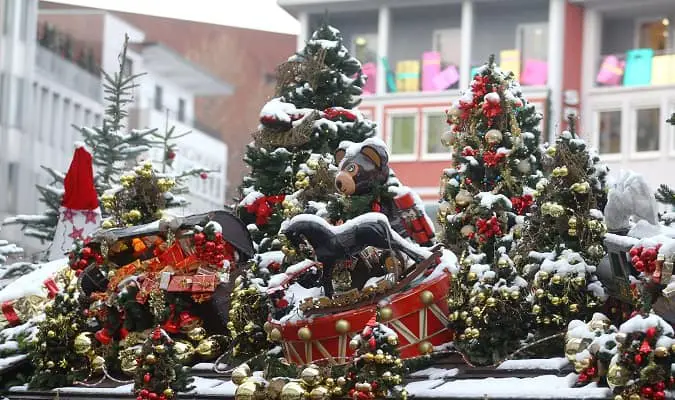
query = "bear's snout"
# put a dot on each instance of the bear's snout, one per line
(345, 183)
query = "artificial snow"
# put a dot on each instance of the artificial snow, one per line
(32, 283)
(641, 324)
(435, 373)
(555, 363)
(489, 199)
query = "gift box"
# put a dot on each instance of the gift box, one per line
(509, 61)
(408, 76)
(18, 311)
(370, 70)
(638, 67)
(611, 71)
(431, 67)
(192, 283)
(663, 69)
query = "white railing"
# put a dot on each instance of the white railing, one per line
(67, 73)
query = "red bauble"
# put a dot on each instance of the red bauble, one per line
(583, 378)
(645, 348)
(660, 395)
(186, 319)
(218, 236)
(99, 259)
(82, 264)
(147, 377)
(203, 175)
(376, 207)
(103, 336)
(640, 266)
(171, 155)
(210, 246)
(124, 332)
(162, 397)
(199, 238)
(281, 303)
(651, 332)
(78, 273)
(633, 252)
(660, 386)
(637, 359)
(591, 372)
(86, 252)
(374, 385)
(144, 393)
(647, 391)
(220, 248)
(156, 334)
(153, 396)
(139, 398)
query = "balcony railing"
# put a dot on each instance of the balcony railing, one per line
(67, 73)
(637, 67)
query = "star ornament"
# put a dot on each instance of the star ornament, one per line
(76, 233)
(90, 217)
(68, 215)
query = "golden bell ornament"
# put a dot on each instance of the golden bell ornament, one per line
(239, 375)
(207, 348)
(246, 391)
(293, 391)
(304, 333)
(82, 343)
(183, 351)
(342, 326)
(150, 359)
(97, 364)
(386, 313)
(275, 335)
(493, 136)
(617, 376)
(197, 334)
(310, 376)
(320, 393)
(168, 393)
(463, 198)
(661, 352)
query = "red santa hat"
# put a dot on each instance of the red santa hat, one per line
(80, 192)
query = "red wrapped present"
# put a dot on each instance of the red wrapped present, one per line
(172, 256)
(122, 273)
(192, 283)
(189, 264)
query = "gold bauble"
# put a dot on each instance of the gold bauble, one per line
(476, 311)
(515, 295)
(50, 364)
(51, 334)
(207, 348)
(661, 352)
(320, 393)
(107, 224)
(574, 308)
(183, 352)
(386, 313)
(129, 365)
(491, 302)
(493, 136)
(168, 393)
(150, 359)
(578, 281)
(572, 232)
(555, 300)
(634, 396)
(368, 357)
(353, 344)
(472, 276)
(275, 335)
(536, 309)
(304, 333)
(572, 222)
(159, 349)
(97, 364)
(556, 279)
(341, 381)
(550, 151)
(446, 138)
(267, 327)
(249, 327)
(310, 376)
(246, 391)
(82, 343)
(342, 326)
(425, 347)
(239, 375)
(392, 340)
(427, 297)
(197, 334)
(463, 198)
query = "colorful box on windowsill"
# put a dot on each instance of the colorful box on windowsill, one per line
(638, 67)
(663, 69)
(534, 73)
(431, 67)
(611, 71)
(370, 70)
(446, 78)
(408, 76)
(509, 61)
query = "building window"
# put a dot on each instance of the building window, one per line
(18, 116)
(12, 185)
(57, 112)
(402, 135)
(181, 110)
(7, 18)
(654, 34)
(609, 132)
(159, 101)
(434, 126)
(448, 43)
(23, 31)
(532, 42)
(364, 47)
(648, 122)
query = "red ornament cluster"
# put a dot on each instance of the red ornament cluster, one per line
(522, 204)
(644, 259)
(648, 390)
(334, 113)
(468, 152)
(492, 158)
(83, 256)
(262, 207)
(488, 228)
(214, 250)
(589, 373)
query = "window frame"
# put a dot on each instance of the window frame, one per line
(159, 98)
(434, 43)
(446, 155)
(633, 110)
(180, 113)
(596, 132)
(518, 45)
(652, 18)
(405, 112)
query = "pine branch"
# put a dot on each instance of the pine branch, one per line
(671, 120)
(666, 195)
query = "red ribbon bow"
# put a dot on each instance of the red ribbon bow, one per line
(492, 158)
(262, 208)
(489, 227)
(522, 204)
(334, 113)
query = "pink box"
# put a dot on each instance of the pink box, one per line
(446, 78)
(431, 67)
(611, 71)
(534, 73)
(370, 70)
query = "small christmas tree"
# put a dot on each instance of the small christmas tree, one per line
(56, 362)
(562, 240)
(485, 194)
(376, 370)
(159, 374)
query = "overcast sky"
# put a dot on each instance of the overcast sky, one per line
(253, 14)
